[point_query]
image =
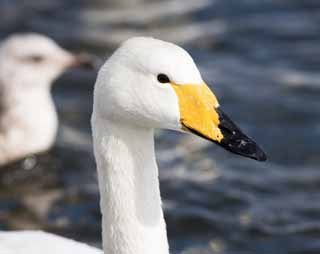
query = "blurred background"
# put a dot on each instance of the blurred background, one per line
(262, 59)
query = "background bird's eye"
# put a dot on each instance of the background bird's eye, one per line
(34, 59)
(163, 78)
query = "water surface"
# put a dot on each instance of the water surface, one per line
(262, 60)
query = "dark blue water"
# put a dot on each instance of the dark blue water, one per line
(262, 59)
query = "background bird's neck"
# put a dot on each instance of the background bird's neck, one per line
(28, 122)
(130, 197)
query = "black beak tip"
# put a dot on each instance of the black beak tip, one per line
(243, 146)
(237, 142)
(259, 155)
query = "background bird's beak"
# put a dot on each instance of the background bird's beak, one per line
(86, 61)
(200, 114)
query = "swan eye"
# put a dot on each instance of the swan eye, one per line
(163, 78)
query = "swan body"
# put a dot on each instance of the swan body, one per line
(148, 84)
(37, 242)
(29, 63)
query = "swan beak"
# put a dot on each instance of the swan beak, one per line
(200, 114)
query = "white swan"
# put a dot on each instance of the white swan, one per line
(145, 84)
(28, 121)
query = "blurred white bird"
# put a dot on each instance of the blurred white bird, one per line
(29, 63)
(146, 84)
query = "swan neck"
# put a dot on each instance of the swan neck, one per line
(133, 219)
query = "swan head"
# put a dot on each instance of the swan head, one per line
(155, 84)
(35, 60)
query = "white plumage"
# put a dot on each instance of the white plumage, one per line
(129, 102)
(37, 242)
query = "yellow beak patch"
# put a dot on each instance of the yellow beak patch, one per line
(197, 106)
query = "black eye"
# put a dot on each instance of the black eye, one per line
(163, 78)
